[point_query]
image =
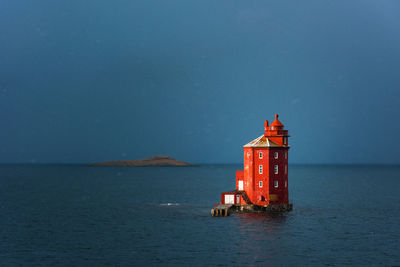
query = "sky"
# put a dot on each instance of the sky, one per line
(86, 81)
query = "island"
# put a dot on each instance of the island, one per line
(159, 160)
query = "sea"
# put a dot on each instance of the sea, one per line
(76, 215)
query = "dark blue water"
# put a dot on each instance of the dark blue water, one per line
(77, 215)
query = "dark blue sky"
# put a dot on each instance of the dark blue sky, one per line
(84, 81)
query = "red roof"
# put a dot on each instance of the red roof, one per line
(276, 122)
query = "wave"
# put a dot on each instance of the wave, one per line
(169, 204)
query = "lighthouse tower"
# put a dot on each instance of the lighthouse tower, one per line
(264, 181)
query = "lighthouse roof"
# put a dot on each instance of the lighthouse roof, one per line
(276, 122)
(263, 141)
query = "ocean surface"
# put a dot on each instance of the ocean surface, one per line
(76, 215)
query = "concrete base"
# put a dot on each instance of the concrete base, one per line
(269, 208)
(226, 210)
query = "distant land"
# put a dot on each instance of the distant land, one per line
(159, 160)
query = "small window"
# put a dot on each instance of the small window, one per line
(260, 184)
(260, 169)
(260, 155)
(276, 183)
(285, 154)
(276, 155)
(276, 169)
(285, 140)
(285, 168)
(285, 183)
(248, 154)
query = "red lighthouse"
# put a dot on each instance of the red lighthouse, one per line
(263, 184)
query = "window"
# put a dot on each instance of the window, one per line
(285, 183)
(260, 184)
(260, 155)
(248, 154)
(276, 183)
(285, 140)
(285, 168)
(276, 169)
(276, 155)
(260, 169)
(285, 154)
(240, 185)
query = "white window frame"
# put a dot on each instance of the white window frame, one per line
(260, 169)
(276, 169)
(276, 184)
(260, 155)
(260, 184)
(276, 154)
(229, 199)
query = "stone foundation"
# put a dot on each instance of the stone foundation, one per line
(225, 210)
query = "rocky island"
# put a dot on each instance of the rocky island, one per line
(159, 160)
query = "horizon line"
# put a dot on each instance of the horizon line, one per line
(200, 163)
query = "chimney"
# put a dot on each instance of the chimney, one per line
(266, 128)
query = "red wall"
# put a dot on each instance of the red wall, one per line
(239, 176)
(248, 171)
(281, 191)
(252, 177)
(260, 195)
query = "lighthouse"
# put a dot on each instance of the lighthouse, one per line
(263, 183)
